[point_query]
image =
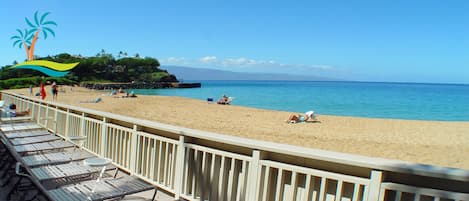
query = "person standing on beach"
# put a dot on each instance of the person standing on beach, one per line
(55, 91)
(42, 90)
(30, 89)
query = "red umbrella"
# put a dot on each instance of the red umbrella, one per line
(43, 91)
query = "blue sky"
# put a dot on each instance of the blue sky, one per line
(398, 41)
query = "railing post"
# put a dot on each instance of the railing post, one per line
(20, 105)
(179, 167)
(376, 178)
(55, 119)
(104, 137)
(254, 171)
(133, 156)
(67, 118)
(38, 120)
(46, 120)
(83, 125)
(33, 111)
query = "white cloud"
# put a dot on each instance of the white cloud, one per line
(246, 62)
(312, 67)
(243, 64)
(208, 59)
(270, 64)
(175, 61)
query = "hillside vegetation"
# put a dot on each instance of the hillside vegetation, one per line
(100, 68)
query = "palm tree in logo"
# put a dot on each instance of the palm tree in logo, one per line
(40, 25)
(23, 39)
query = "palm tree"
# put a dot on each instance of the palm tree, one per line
(40, 25)
(23, 40)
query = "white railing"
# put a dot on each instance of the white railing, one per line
(289, 182)
(197, 165)
(392, 191)
(211, 174)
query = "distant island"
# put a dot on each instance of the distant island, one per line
(102, 68)
(190, 73)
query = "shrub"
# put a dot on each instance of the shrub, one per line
(16, 83)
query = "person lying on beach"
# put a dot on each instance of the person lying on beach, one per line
(97, 100)
(14, 113)
(224, 100)
(121, 91)
(308, 116)
(130, 95)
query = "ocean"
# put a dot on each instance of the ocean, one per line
(414, 101)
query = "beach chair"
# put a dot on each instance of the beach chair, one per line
(107, 189)
(55, 158)
(19, 126)
(43, 146)
(34, 139)
(55, 175)
(16, 119)
(9, 131)
(28, 133)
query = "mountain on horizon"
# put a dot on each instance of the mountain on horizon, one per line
(191, 73)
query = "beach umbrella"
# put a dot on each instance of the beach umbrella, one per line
(43, 91)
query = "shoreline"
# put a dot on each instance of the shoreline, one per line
(443, 143)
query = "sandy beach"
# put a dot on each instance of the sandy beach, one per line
(429, 142)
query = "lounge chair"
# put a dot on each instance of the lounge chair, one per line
(107, 189)
(34, 139)
(19, 126)
(28, 133)
(43, 146)
(55, 158)
(68, 172)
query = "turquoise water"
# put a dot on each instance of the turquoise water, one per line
(447, 102)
